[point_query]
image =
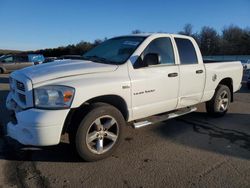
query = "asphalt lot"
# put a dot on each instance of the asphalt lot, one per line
(191, 151)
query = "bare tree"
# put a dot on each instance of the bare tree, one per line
(137, 31)
(235, 40)
(187, 30)
(209, 41)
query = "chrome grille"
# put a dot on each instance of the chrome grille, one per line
(20, 86)
(18, 90)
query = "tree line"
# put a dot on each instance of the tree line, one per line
(73, 49)
(232, 40)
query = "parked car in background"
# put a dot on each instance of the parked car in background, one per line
(70, 57)
(36, 58)
(246, 65)
(9, 63)
(64, 57)
(49, 59)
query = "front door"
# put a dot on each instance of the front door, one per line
(155, 87)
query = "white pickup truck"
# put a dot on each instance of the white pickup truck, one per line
(125, 79)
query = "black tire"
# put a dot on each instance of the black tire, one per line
(213, 106)
(1, 71)
(104, 112)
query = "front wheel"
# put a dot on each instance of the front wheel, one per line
(219, 104)
(99, 133)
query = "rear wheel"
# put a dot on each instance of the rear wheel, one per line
(219, 104)
(99, 133)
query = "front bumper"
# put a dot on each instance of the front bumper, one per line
(37, 127)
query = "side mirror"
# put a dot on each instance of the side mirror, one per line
(151, 59)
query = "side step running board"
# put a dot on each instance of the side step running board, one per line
(163, 117)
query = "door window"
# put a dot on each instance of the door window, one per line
(186, 51)
(161, 46)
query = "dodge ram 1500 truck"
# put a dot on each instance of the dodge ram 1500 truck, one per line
(142, 79)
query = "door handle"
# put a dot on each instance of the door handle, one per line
(199, 71)
(174, 74)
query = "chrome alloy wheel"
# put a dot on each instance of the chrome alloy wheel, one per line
(223, 101)
(102, 134)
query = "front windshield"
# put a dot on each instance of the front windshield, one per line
(114, 51)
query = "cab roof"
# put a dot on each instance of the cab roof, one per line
(153, 34)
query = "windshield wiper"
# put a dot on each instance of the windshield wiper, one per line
(98, 59)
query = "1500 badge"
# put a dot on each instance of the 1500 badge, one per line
(144, 92)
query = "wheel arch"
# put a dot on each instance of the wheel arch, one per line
(229, 83)
(75, 115)
(2, 69)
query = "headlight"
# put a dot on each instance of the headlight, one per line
(53, 97)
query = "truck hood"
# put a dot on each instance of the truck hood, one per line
(63, 68)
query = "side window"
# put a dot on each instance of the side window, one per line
(21, 59)
(186, 51)
(161, 46)
(8, 59)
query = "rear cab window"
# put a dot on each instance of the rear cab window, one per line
(187, 52)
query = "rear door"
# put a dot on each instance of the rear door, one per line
(192, 73)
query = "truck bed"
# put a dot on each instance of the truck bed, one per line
(216, 71)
